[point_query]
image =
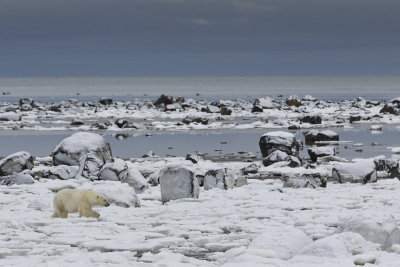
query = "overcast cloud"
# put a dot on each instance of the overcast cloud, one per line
(198, 37)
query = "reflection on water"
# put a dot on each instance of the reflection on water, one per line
(364, 142)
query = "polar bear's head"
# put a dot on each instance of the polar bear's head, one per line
(101, 201)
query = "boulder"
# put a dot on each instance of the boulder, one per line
(164, 99)
(225, 111)
(90, 166)
(312, 180)
(388, 165)
(284, 240)
(190, 119)
(218, 179)
(316, 152)
(18, 178)
(240, 181)
(105, 101)
(77, 122)
(72, 148)
(15, 163)
(193, 158)
(251, 169)
(312, 119)
(293, 100)
(212, 109)
(10, 116)
(114, 170)
(390, 108)
(257, 108)
(264, 102)
(26, 101)
(178, 182)
(26, 107)
(327, 135)
(362, 171)
(378, 228)
(279, 140)
(278, 156)
(121, 123)
(310, 137)
(60, 172)
(135, 180)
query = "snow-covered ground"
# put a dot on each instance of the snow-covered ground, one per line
(292, 227)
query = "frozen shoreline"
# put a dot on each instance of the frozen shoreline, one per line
(284, 210)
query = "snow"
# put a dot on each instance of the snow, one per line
(221, 227)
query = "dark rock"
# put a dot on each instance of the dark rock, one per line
(327, 135)
(313, 119)
(257, 108)
(121, 123)
(105, 101)
(77, 122)
(293, 127)
(293, 101)
(26, 101)
(317, 152)
(55, 108)
(226, 111)
(190, 119)
(193, 158)
(354, 118)
(164, 99)
(180, 99)
(283, 141)
(26, 107)
(389, 166)
(16, 163)
(390, 108)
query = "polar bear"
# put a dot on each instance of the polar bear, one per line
(71, 200)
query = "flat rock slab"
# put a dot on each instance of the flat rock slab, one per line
(176, 183)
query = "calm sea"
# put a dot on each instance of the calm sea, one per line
(128, 88)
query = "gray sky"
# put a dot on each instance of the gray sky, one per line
(199, 37)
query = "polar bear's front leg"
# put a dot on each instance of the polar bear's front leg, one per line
(86, 211)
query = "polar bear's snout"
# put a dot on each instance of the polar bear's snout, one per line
(107, 203)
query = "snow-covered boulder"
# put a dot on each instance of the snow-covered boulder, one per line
(15, 163)
(252, 168)
(283, 141)
(264, 102)
(114, 170)
(378, 228)
(327, 135)
(72, 148)
(10, 116)
(313, 180)
(283, 240)
(26, 101)
(278, 156)
(117, 193)
(176, 183)
(257, 108)
(135, 180)
(193, 158)
(90, 166)
(362, 171)
(60, 172)
(316, 152)
(18, 178)
(218, 179)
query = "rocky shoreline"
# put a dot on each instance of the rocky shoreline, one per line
(228, 211)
